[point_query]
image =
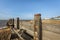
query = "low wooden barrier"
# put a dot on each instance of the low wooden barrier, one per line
(49, 28)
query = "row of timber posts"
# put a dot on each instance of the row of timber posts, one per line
(37, 26)
(10, 23)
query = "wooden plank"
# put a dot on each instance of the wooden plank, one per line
(18, 34)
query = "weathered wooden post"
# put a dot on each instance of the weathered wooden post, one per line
(37, 27)
(13, 23)
(10, 23)
(18, 23)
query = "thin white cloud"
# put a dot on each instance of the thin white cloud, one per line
(27, 16)
(5, 14)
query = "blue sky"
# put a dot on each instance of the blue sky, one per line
(25, 9)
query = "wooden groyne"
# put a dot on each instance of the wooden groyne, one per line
(35, 29)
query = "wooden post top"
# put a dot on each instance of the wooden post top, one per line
(37, 15)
